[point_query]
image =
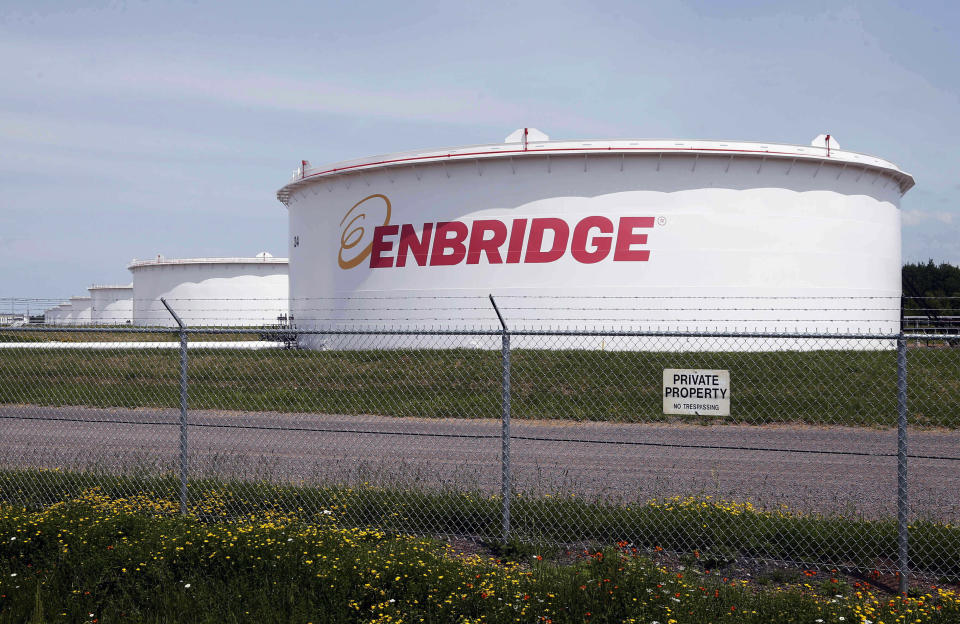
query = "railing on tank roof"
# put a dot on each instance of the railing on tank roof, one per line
(157, 261)
(600, 145)
(306, 172)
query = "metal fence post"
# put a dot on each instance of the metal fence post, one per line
(903, 506)
(183, 407)
(505, 481)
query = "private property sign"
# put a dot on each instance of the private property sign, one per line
(696, 392)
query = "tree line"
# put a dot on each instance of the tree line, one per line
(931, 289)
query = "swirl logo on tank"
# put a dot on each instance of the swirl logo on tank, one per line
(353, 234)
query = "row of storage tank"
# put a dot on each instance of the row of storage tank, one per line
(660, 234)
(202, 291)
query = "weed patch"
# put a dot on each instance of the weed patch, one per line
(104, 559)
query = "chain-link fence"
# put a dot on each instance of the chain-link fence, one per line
(832, 449)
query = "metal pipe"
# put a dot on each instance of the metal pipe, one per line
(183, 407)
(505, 478)
(903, 501)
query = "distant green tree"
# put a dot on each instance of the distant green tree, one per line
(931, 288)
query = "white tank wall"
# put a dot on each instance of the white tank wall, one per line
(56, 315)
(111, 305)
(79, 310)
(745, 227)
(210, 294)
(66, 313)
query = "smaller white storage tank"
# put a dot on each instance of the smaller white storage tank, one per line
(111, 305)
(66, 313)
(79, 310)
(235, 292)
(56, 315)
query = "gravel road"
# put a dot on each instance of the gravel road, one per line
(806, 468)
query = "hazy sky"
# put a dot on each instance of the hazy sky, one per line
(132, 129)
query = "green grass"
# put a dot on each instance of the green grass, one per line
(719, 531)
(855, 388)
(103, 559)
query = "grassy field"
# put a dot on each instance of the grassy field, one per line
(100, 558)
(817, 387)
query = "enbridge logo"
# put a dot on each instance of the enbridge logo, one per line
(518, 241)
(352, 236)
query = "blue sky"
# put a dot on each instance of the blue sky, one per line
(129, 129)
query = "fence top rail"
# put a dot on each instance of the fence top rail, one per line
(932, 336)
(286, 332)
(702, 334)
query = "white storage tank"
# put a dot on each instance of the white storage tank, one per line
(111, 305)
(57, 315)
(673, 235)
(80, 310)
(211, 291)
(66, 314)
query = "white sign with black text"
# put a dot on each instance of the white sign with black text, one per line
(696, 392)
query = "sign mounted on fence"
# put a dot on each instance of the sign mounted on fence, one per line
(696, 392)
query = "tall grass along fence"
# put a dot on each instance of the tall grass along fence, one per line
(832, 449)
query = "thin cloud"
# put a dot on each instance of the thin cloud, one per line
(118, 138)
(52, 67)
(918, 217)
